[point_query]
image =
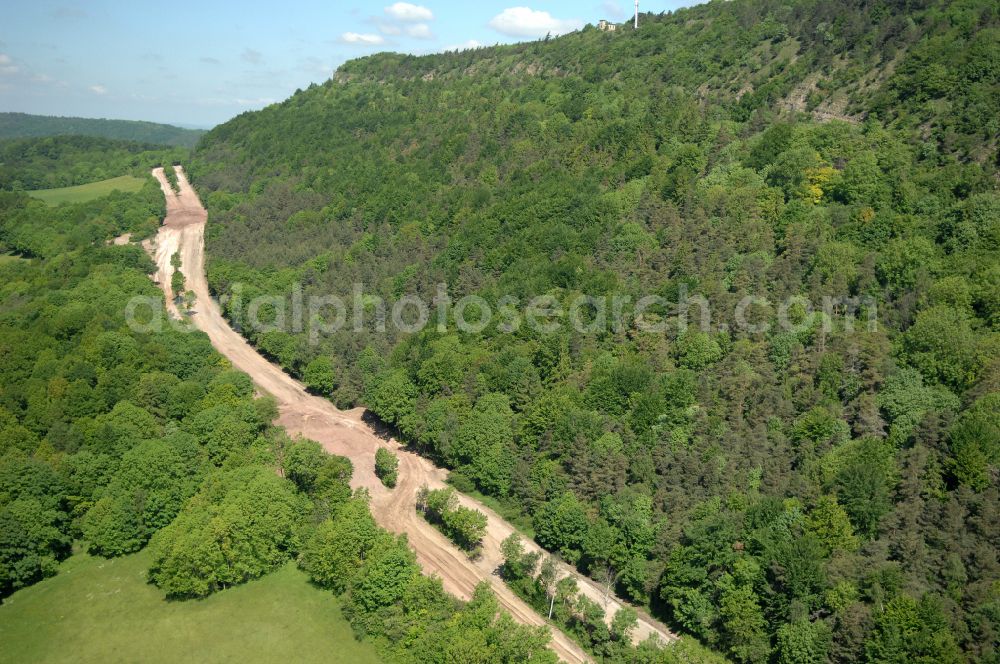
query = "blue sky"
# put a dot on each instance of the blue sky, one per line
(202, 63)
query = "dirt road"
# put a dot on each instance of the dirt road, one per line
(347, 434)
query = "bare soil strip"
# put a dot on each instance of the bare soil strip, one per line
(347, 434)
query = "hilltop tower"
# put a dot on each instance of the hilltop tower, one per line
(636, 14)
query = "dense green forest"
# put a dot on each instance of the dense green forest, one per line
(23, 125)
(63, 161)
(116, 433)
(820, 493)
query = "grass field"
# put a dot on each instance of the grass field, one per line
(86, 192)
(98, 610)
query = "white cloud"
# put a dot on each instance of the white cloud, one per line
(527, 22)
(405, 19)
(407, 13)
(251, 56)
(420, 31)
(98, 89)
(364, 39)
(472, 43)
(7, 65)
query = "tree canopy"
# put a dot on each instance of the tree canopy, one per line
(769, 489)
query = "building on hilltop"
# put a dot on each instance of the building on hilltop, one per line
(606, 26)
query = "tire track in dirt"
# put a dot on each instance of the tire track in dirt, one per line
(347, 434)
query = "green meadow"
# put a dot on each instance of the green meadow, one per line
(97, 610)
(86, 192)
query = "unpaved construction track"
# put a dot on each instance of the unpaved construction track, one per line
(347, 434)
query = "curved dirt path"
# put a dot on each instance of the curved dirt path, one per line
(347, 434)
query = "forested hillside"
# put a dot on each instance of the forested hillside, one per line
(802, 494)
(23, 125)
(120, 430)
(63, 161)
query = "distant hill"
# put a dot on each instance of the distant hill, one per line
(23, 125)
(51, 162)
